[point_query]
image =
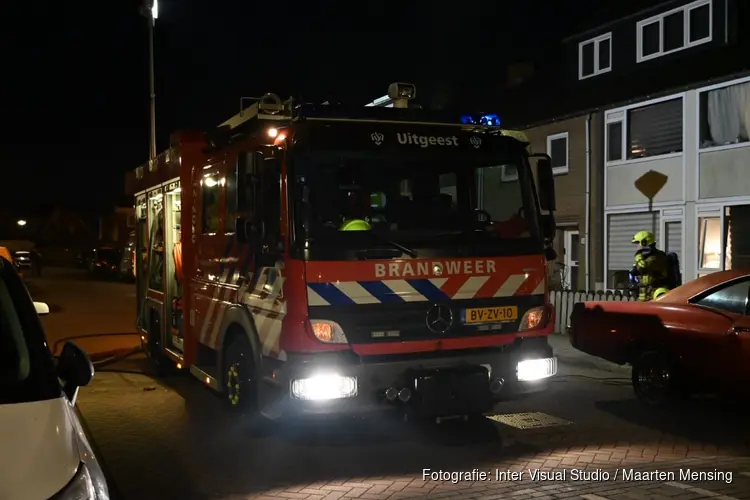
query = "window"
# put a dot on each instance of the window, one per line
(155, 256)
(731, 298)
(231, 201)
(724, 243)
(614, 141)
(557, 149)
(655, 129)
(210, 204)
(674, 30)
(27, 370)
(725, 115)
(271, 198)
(709, 243)
(595, 56)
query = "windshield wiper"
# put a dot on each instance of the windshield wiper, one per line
(408, 251)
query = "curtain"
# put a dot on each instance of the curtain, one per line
(729, 114)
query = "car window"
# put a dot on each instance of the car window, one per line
(732, 298)
(26, 367)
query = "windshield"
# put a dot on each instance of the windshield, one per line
(434, 205)
(26, 367)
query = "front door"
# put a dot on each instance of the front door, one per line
(571, 249)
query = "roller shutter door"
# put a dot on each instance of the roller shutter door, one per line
(620, 231)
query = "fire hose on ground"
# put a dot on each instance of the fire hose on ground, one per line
(103, 359)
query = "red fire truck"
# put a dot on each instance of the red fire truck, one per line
(317, 258)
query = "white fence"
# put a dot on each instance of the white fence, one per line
(564, 301)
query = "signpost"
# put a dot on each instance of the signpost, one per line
(649, 184)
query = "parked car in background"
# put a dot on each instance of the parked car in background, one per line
(46, 452)
(105, 263)
(693, 340)
(22, 259)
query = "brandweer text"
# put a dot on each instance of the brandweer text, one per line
(425, 141)
(436, 269)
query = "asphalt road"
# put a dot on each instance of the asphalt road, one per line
(171, 439)
(83, 309)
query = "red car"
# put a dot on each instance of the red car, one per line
(695, 339)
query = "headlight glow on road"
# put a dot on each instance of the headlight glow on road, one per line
(536, 369)
(324, 387)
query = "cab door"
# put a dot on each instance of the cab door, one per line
(260, 199)
(212, 250)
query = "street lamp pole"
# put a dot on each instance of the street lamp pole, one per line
(151, 12)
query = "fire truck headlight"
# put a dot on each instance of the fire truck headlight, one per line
(536, 317)
(536, 369)
(328, 332)
(324, 387)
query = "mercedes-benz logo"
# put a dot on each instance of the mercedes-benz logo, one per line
(439, 319)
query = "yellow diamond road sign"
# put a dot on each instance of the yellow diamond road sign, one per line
(650, 183)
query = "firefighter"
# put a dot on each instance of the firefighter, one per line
(651, 267)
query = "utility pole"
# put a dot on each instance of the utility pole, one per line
(150, 10)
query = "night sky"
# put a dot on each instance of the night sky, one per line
(75, 81)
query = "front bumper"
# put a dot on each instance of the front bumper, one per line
(341, 383)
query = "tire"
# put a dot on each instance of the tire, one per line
(656, 380)
(239, 386)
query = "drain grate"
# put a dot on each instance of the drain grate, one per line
(534, 420)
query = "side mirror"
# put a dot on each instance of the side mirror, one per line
(41, 308)
(550, 254)
(75, 369)
(546, 184)
(548, 226)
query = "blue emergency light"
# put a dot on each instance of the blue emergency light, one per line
(484, 120)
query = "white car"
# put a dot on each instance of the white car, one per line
(44, 452)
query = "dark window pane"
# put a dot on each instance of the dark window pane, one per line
(732, 298)
(587, 59)
(650, 38)
(605, 47)
(674, 31)
(655, 130)
(558, 151)
(700, 19)
(614, 141)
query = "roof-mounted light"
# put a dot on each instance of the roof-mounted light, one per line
(488, 120)
(402, 93)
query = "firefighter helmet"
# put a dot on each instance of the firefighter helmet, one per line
(645, 238)
(355, 225)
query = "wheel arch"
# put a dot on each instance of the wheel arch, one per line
(238, 320)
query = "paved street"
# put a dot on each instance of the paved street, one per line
(171, 438)
(81, 306)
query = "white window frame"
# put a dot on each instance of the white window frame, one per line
(597, 47)
(621, 115)
(687, 44)
(709, 212)
(562, 135)
(705, 90)
(671, 216)
(569, 263)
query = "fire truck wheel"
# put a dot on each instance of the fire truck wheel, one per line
(240, 388)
